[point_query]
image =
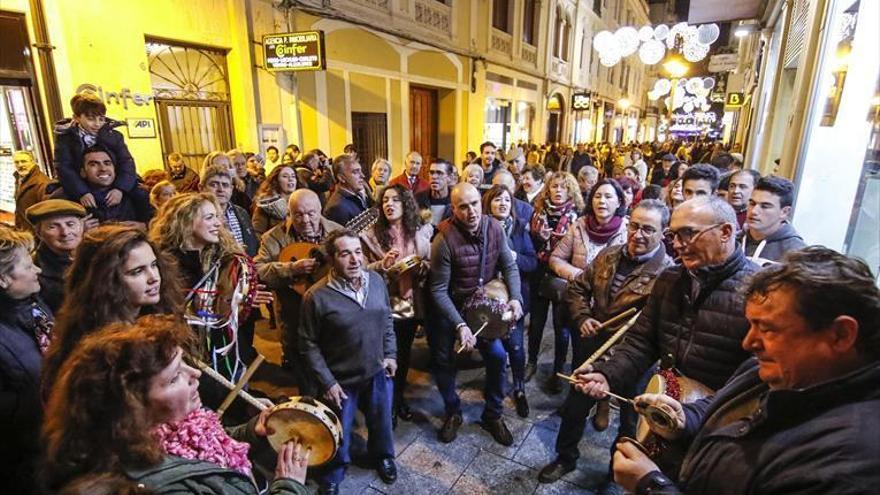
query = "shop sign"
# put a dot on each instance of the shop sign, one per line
(723, 62)
(294, 51)
(580, 101)
(120, 97)
(141, 128)
(735, 100)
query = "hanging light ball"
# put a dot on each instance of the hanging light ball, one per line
(610, 57)
(663, 86)
(628, 39)
(709, 83)
(708, 33)
(694, 84)
(694, 52)
(705, 107)
(651, 52)
(603, 40)
(646, 33)
(688, 107)
(661, 32)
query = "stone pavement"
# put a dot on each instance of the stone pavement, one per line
(474, 463)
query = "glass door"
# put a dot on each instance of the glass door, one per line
(18, 131)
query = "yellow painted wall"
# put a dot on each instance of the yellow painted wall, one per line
(395, 147)
(336, 114)
(101, 42)
(432, 64)
(308, 110)
(367, 93)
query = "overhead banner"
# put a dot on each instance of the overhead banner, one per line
(294, 51)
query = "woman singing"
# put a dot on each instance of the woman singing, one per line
(399, 234)
(122, 419)
(498, 202)
(604, 224)
(117, 274)
(271, 199)
(556, 210)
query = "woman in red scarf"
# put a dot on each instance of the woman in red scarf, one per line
(556, 209)
(604, 224)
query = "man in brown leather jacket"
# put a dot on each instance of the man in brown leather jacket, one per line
(621, 277)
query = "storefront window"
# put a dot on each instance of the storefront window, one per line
(497, 126)
(525, 113)
(838, 177)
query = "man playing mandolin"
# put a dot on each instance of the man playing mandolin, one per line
(801, 418)
(306, 228)
(694, 319)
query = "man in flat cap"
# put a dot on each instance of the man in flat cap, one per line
(59, 225)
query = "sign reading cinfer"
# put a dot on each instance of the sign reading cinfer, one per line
(294, 51)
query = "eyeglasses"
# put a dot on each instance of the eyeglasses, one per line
(687, 235)
(633, 227)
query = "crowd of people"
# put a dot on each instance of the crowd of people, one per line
(118, 291)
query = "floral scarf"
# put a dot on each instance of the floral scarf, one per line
(558, 218)
(201, 436)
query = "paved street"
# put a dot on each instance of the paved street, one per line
(474, 463)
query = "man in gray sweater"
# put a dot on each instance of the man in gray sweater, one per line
(469, 251)
(347, 341)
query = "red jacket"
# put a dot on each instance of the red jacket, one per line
(402, 179)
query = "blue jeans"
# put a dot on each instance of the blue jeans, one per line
(516, 352)
(374, 395)
(441, 341)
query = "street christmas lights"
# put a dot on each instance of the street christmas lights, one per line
(652, 42)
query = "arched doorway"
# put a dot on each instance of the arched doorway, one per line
(555, 118)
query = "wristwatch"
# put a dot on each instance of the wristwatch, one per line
(652, 483)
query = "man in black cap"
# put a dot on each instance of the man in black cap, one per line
(59, 225)
(662, 174)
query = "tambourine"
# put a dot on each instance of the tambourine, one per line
(309, 422)
(488, 306)
(229, 284)
(275, 206)
(404, 265)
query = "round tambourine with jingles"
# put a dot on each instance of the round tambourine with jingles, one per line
(309, 422)
(488, 306)
(274, 206)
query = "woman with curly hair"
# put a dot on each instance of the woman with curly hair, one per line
(603, 224)
(556, 209)
(400, 233)
(117, 274)
(270, 202)
(25, 329)
(189, 229)
(120, 419)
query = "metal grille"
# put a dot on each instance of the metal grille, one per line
(797, 35)
(194, 129)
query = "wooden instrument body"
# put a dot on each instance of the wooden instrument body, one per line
(309, 422)
(300, 251)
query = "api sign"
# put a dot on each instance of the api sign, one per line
(294, 51)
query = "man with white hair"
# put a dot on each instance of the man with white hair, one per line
(409, 178)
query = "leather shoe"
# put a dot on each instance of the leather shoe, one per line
(498, 430)
(554, 384)
(404, 412)
(531, 369)
(522, 405)
(387, 471)
(329, 489)
(450, 427)
(600, 419)
(555, 470)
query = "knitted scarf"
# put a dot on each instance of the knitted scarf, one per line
(601, 234)
(201, 436)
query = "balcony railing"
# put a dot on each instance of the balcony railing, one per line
(434, 15)
(502, 42)
(529, 54)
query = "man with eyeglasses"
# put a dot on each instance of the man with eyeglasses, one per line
(694, 319)
(620, 278)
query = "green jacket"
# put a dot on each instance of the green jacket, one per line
(176, 475)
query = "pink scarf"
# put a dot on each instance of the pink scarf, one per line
(201, 436)
(601, 234)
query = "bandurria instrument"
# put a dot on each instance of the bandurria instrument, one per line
(301, 419)
(677, 386)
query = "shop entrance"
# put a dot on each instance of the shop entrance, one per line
(191, 90)
(555, 118)
(423, 123)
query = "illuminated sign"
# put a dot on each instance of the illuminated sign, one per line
(120, 97)
(580, 101)
(735, 100)
(294, 51)
(141, 128)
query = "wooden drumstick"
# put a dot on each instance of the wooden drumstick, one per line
(475, 334)
(614, 337)
(250, 399)
(248, 373)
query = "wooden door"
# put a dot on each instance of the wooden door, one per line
(423, 124)
(369, 132)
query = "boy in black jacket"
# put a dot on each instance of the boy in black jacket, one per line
(89, 127)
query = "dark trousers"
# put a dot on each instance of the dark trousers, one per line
(562, 334)
(405, 331)
(441, 341)
(516, 354)
(374, 396)
(576, 409)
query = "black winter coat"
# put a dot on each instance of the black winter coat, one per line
(703, 335)
(21, 410)
(819, 440)
(52, 268)
(343, 206)
(29, 192)
(69, 155)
